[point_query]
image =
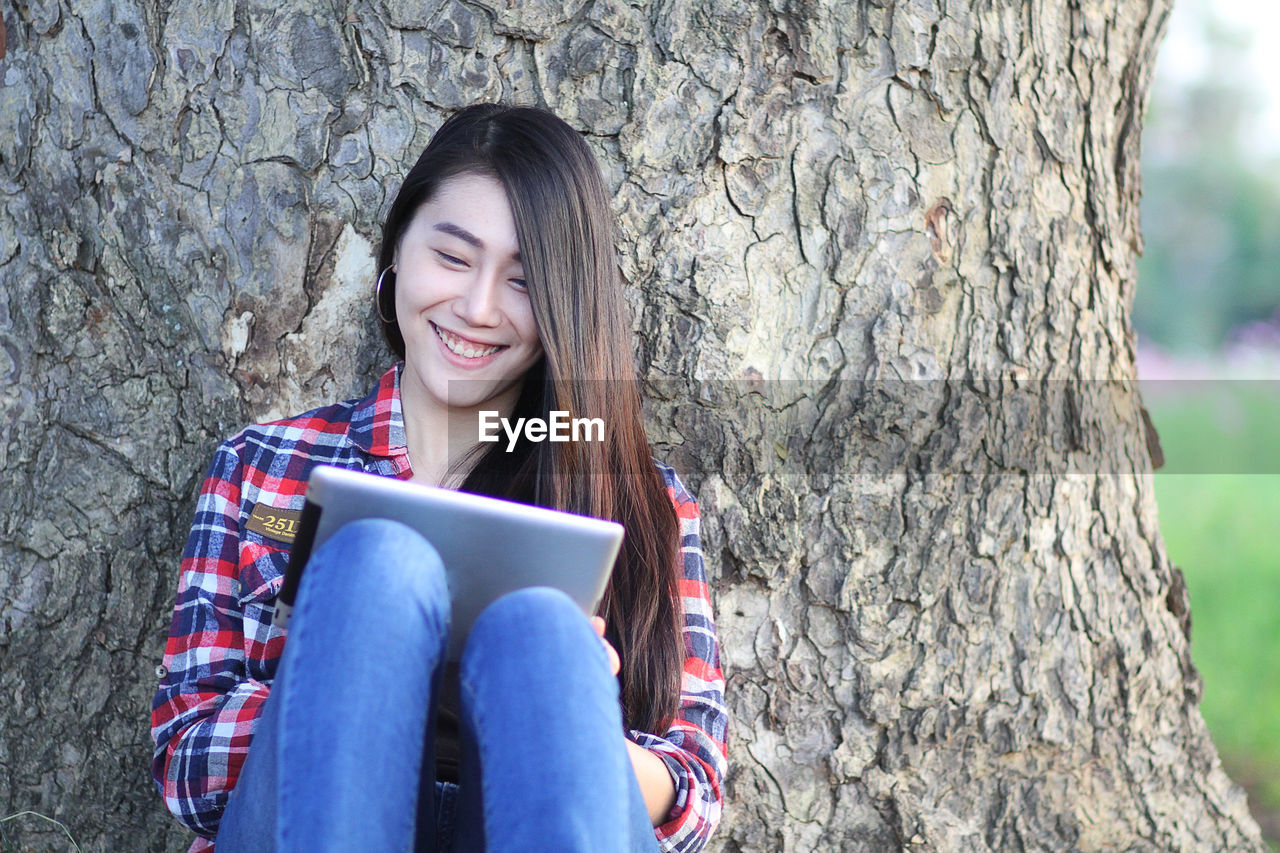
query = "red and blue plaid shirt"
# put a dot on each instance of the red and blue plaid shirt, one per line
(222, 651)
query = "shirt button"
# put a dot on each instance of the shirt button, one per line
(161, 672)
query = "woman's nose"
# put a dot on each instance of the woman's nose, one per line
(478, 306)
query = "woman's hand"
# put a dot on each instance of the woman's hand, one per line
(656, 783)
(615, 663)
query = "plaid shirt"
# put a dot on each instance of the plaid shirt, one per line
(222, 651)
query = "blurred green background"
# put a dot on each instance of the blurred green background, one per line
(1207, 312)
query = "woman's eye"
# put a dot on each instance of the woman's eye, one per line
(520, 283)
(450, 259)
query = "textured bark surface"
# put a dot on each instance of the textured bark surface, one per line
(941, 631)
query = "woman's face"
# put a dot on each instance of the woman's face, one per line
(461, 300)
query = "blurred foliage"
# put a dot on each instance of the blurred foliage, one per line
(1211, 225)
(1220, 529)
(1212, 259)
(1211, 205)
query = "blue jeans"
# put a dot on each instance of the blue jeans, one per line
(342, 757)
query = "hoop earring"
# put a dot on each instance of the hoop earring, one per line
(377, 299)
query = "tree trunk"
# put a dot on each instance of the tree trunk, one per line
(948, 618)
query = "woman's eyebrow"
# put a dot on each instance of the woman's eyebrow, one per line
(466, 236)
(461, 233)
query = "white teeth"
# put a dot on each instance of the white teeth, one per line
(463, 348)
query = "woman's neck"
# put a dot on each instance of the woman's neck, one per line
(439, 437)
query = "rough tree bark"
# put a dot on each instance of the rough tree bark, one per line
(943, 628)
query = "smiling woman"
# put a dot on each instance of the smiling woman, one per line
(499, 291)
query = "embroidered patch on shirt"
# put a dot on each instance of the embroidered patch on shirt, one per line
(278, 524)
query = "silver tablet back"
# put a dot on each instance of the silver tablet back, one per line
(489, 547)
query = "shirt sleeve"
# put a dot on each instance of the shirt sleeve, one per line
(208, 701)
(695, 746)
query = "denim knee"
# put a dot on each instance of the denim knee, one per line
(542, 622)
(381, 570)
(533, 606)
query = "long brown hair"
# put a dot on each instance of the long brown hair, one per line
(565, 227)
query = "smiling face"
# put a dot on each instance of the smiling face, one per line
(461, 300)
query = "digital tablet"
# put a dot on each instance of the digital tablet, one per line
(489, 547)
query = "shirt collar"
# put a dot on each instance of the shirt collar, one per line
(377, 422)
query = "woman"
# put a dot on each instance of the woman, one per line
(499, 290)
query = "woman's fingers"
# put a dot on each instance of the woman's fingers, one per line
(615, 663)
